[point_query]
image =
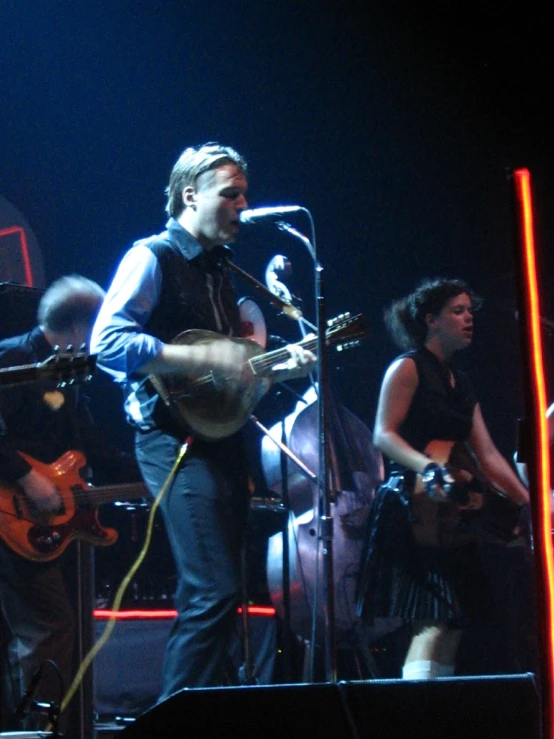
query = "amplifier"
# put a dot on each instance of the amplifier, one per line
(18, 308)
(128, 669)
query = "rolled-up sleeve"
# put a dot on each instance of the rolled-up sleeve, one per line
(118, 337)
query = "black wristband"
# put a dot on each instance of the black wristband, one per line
(432, 473)
(434, 476)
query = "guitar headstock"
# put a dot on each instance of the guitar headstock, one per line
(67, 368)
(345, 331)
(64, 368)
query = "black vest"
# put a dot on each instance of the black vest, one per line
(195, 293)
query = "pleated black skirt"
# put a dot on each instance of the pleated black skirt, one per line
(400, 579)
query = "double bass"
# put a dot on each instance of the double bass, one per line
(355, 471)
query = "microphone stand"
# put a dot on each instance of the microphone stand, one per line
(284, 304)
(324, 498)
(286, 556)
(324, 501)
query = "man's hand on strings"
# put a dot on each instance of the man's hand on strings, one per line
(44, 496)
(299, 364)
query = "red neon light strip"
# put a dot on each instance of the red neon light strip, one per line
(105, 613)
(24, 250)
(542, 526)
(26, 260)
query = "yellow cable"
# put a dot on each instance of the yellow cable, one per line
(123, 587)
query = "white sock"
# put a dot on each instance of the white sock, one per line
(445, 670)
(420, 669)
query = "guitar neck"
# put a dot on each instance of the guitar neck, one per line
(344, 328)
(64, 369)
(19, 375)
(264, 363)
(111, 493)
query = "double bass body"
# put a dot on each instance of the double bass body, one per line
(356, 469)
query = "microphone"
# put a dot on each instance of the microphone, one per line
(273, 211)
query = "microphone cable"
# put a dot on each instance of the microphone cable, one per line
(126, 580)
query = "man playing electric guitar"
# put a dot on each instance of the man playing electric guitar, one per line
(44, 421)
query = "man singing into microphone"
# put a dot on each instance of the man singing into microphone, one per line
(166, 284)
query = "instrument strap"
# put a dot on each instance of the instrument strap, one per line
(286, 306)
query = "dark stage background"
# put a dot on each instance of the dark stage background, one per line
(394, 122)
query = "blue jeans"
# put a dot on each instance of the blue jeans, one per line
(205, 512)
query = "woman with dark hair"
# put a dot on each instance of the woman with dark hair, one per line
(417, 566)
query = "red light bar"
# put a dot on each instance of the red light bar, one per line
(23, 248)
(105, 613)
(540, 479)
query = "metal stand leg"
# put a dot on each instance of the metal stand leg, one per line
(247, 671)
(85, 635)
(307, 669)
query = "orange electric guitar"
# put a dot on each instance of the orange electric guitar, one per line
(476, 509)
(78, 519)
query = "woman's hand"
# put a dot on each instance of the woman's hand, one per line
(437, 482)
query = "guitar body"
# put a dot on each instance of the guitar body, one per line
(477, 511)
(218, 405)
(42, 543)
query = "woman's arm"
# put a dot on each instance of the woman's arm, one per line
(495, 467)
(395, 398)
